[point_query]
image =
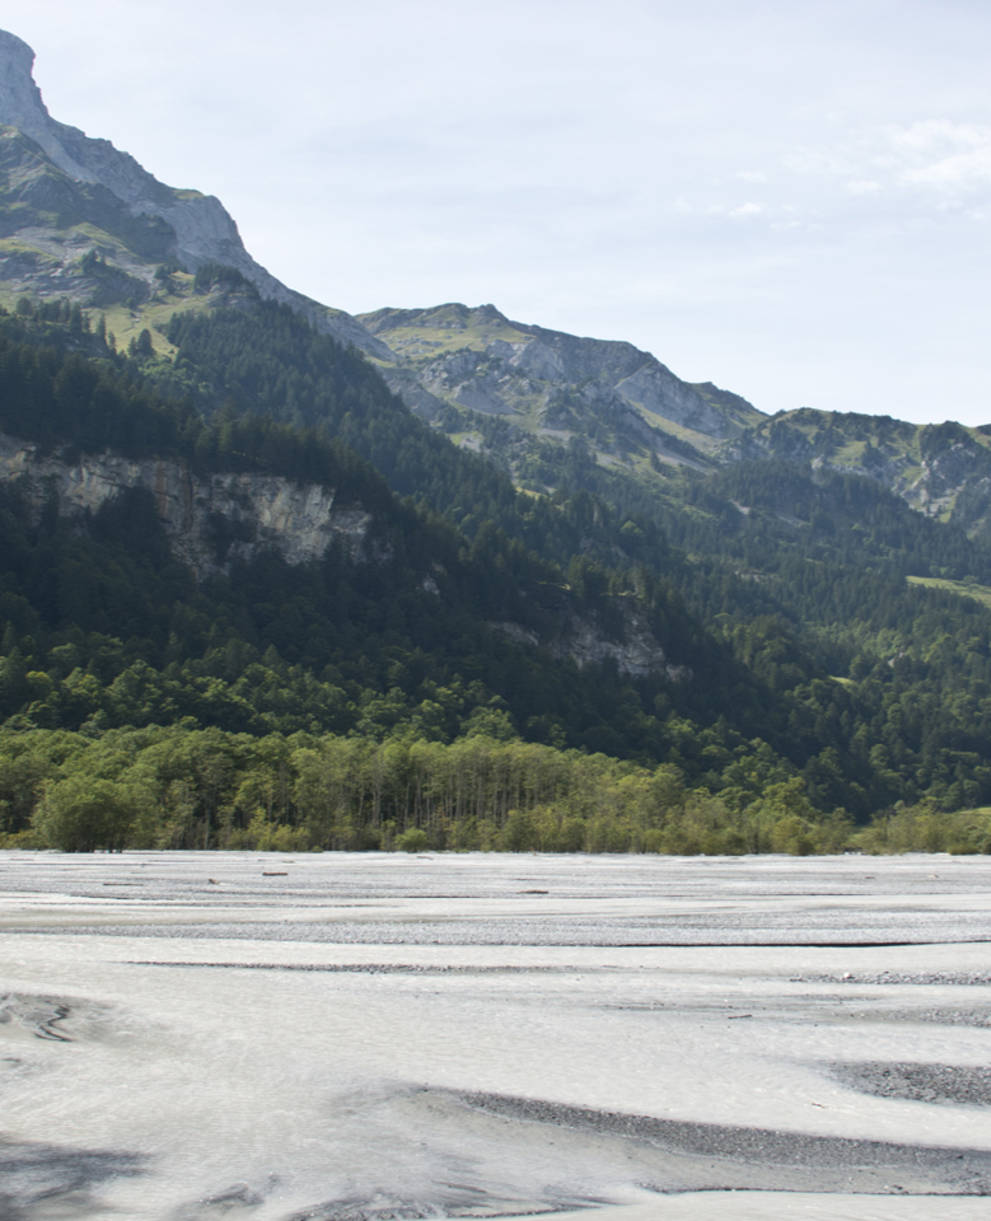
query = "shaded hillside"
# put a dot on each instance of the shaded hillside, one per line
(134, 525)
(942, 470)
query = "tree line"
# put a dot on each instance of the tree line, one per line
(175, 787)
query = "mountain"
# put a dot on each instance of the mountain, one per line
(81, 220)
(942, 470)
(270, 571)
(517, 392)
(553, 385)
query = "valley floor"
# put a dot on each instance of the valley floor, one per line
(190, 1036)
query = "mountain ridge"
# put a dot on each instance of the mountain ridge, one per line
(88, 222)
(203, 231)
(514, 369)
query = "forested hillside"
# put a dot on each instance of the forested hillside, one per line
(426, 636)
(739, 665)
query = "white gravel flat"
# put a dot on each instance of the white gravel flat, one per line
(373, 1037)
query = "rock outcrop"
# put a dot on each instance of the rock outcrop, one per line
(211, 520)
(553, 384)
(199, 228)
(637, 655)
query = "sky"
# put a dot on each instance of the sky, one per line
(790, 198)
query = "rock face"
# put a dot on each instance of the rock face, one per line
(581, 640)
(76, 169)
(19, 96)
(203, 230)
(552, 384)
(211, 520)
(637, 655)
(941, 470)
(214, 521)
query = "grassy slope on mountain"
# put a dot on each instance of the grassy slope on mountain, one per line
(471, 370)
(964, 589)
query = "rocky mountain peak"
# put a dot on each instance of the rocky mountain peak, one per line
(204, 231)
(22, 106)
(20, 99)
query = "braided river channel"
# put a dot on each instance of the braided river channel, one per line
(379, 1037)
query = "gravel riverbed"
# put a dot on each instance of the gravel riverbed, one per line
(185, 1037)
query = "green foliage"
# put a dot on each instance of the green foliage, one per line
(183, 787)
(823, 668)
(413, 839)
(81, 813)
(926, 828)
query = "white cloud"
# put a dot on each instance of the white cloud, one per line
(747, 209)
(932, 165)
(928, 136)
(948, 156)
(731, 211)
(961, 172)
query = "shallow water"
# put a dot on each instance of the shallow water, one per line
(193, 1036)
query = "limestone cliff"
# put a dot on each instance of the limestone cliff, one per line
(257, 512)
(579, 637)
(215, 520)
(637, 655)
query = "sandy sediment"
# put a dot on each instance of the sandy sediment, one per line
(698, 1156)
(261, 1038)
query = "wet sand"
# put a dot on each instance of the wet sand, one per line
(373, 1038)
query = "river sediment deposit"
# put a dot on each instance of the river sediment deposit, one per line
(376, 1037)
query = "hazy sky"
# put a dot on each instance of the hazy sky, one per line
(788, 198)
